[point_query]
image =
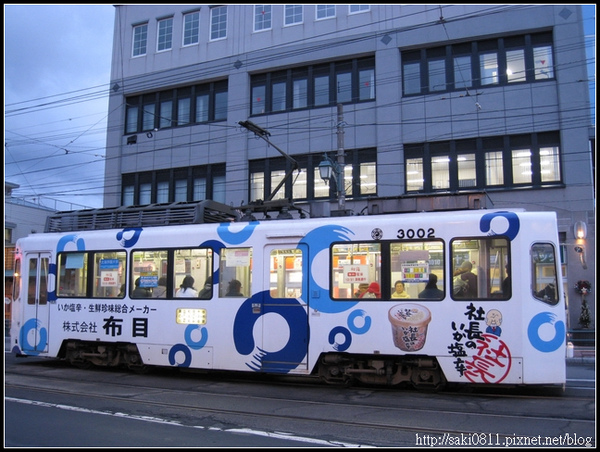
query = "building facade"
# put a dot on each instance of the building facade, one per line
(406, 102)
(21, 218)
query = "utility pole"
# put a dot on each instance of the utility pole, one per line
(341, 189)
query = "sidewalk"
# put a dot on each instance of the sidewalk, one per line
(582, 355)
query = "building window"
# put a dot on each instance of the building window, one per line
(542, 62)
(462, 72)
(299, 89)
(191, 28)
(262, 17)
(526, 58)
(414, 174)
(166, 109)
(521, 166)
(148, 112)
(360, 178)
(488, 68)
(165, 34)
(132, 113)
(174, 185)
(218, 23)
(293, 14)
(193, 104)
(184, 106)
(258, 102)
(494, 169)
(311, 87)
(140, 39)
(325, 11)
(411, 72)
(366, 84)
(359, 9)
(494, 162)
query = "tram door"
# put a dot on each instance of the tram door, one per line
(34, 333)
(285, 308)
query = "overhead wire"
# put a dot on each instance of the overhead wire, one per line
(45, 103)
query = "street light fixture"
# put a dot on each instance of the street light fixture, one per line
(330, 170)
(327, 170)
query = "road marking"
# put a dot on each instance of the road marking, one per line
(247, 431)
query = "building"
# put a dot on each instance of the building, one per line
(411, 104)
(21, 218)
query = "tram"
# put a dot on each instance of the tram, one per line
(482, 300)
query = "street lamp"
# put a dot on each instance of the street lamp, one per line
(327, 170)
(330, 170)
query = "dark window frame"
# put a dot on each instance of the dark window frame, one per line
(534, 141)
(500, 45)
(331, 70)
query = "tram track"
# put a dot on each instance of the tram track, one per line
(255, 404)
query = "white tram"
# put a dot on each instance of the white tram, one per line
(114, 296)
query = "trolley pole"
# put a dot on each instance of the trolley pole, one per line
(341, 189)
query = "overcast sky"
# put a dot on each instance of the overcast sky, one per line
(57, 76)
(57, 73)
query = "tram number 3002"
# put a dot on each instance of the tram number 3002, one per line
(419, 233)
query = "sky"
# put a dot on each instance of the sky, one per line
(56, 81)
(57, 73)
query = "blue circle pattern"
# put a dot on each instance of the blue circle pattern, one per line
(347, 336)
(186, 353)
(195, 345)
(511, 217)
(236, 238)
(535, 339)
(128, 243)
(60, 246)
(318, 240)
(33, 324)
(359, 313)
(294, 351)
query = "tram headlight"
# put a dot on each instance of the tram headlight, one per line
(187, 316)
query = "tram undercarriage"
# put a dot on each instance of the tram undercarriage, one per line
(103, 354)
(422, 372)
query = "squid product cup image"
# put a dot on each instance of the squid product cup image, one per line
(409, 326)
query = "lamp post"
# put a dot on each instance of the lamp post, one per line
(330, 170)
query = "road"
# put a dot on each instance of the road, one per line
(50, 404)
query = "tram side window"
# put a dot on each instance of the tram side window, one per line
(72, 274)
(356, 270)
(417, 270)
(148, 274)
(480, 267)
(285, 273)
(543, 266)
(235, 272)
(192, 270)
(109, 274)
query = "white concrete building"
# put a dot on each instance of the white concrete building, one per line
(438, 102)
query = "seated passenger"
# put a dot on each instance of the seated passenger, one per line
(206, 291)
(234, 289)
(399, 291)
(160, 291)
(186, 289)
(140, 292)
(431, 290)
(373, 291)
